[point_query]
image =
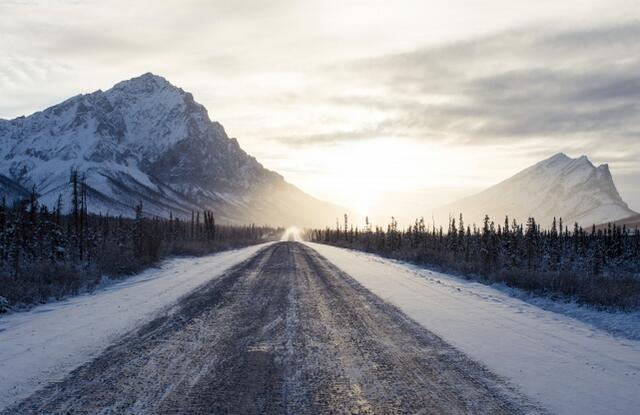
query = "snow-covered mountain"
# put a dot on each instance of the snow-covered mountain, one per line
(572, 189)
(147, 140)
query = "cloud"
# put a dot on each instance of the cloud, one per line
(517, 85)
(19, 76)
(332, 137)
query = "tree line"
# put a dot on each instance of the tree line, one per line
(49, 253)
(597, 266)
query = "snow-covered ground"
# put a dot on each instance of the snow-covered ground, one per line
(46, 343)
(569, 366)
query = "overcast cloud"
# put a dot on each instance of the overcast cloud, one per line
(513, 85)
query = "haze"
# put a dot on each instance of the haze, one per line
(388, 108)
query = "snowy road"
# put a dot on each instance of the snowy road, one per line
(569, 366)
(44, 344)
(284, 332)
(284, 328)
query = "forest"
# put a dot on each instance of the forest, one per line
(48, 254)
(598, 267)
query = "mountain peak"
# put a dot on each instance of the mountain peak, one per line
(561, 161)
(147, 82)
(557, 160)
(148, 77)
(558, 156)
(584, 160)
(562, 157)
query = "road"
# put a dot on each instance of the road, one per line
(284, 332)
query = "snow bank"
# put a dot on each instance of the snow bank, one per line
(47, 342)
(619, 323)
(567, 365)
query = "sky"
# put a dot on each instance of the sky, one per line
(383, 107)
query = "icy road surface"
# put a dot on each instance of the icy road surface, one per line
(44, 344)
(569, 366)
(285, 332)
(294, 328)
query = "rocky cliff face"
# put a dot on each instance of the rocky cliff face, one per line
(147, 140)
(573, 189)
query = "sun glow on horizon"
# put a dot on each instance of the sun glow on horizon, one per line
(292, 234)
(361, 174)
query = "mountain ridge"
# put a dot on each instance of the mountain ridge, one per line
(557, 187)
(147, 140)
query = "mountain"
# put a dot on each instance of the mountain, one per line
(562, 187)
(147, 140)
(631, 222)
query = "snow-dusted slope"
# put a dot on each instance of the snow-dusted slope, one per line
(572, 189)
(145, 140)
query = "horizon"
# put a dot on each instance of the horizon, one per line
(385, 108)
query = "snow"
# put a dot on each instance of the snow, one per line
(44, 344)
(572, 189)
(144, 139)
(569, 366)
(566, 364)
(620, 324)
(104, 135)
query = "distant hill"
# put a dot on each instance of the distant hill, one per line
(147, 140)
(631, 222)
(559, 186)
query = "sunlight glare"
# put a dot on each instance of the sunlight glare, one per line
(292, 234)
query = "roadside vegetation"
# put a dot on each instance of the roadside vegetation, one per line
(46, 254)
(598, 267)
